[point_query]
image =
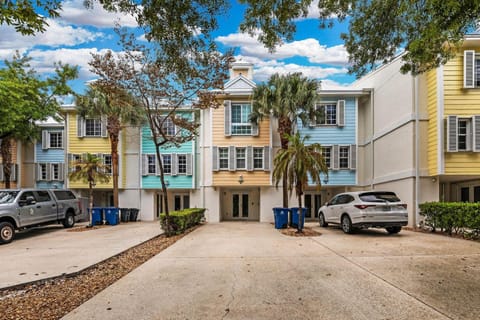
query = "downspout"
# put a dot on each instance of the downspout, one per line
(372, 141)
(417, 150)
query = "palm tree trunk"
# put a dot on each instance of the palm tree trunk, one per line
(113, 128)
(284, 129)
(90, 202)
(7, 160)
(299, 192)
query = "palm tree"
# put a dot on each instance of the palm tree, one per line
(91, 170)
(118, 109)
(287, 98)
(297, 164)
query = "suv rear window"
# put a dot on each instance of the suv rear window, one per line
(64, 195)
(378, 197)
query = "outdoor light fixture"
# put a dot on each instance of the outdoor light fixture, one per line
(325, 180)
(240, 179)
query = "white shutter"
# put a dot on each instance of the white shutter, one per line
(38, 172)
(249, 155)
(266, 158)
(70, 162)
(341, 113)
(48, 168)
(335, 157)
(214, 158)
(254, 129)
(103, 121)
(228, 118)
(2, 177)
(144, 164)
(231, 158)
(13, 172)
(469, 69)
(61, 171)
(189, 164)
(476, 133)
(174, 164)
(452, 133)
(353, 157)
(80, 126)
(45, 139)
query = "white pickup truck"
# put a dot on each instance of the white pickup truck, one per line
(27, 208)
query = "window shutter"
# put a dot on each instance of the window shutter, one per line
(174, 164)
(452, 132)
(144, 164)
(353, 157)
(48, 167)
(266, 158)
(62, 145)
(70, 162)
(214, 158)
(2, 178)
(189, 164)
(335, 151)
(80, 126)
(104, 126)
(231, 158)
(228, 118)
(249, 156)
(61, 171)
(469, 69)
(13, 174)
(38, 172)
(476, 133)
(254, 129)
(341, 113)
(45, 140)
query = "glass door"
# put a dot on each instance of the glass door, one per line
(240, 205)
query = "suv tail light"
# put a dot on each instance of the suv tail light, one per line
(404, 205)
(364, 206)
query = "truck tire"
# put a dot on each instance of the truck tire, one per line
(69, 220)
(7, 232)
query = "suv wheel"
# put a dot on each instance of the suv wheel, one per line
(7, 232)
(393, 230)
(321, 220)
(346, 224)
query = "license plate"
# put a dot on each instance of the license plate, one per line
(387, 208)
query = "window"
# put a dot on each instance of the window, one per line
(42, 171)
(43, 196)
(167, 163)
(151, 164)
(257, 158)
(344, 157)
(462, 134)
(471, 69)
(56, 140)
(240, 119)
(168, 127)
(107, 162)
(240, 156)
(327, 155)
(93, 127)
(55, 171)
(223, 158)
(182, 164)
(76, 158)
(326, 114)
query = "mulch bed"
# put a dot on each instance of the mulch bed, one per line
(54, 298)
(306, 232)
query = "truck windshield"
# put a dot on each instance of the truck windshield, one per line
(7, 196)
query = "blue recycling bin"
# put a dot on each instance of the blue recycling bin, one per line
(297, 217)
(281, 217)
(111, 216)
(97, 215)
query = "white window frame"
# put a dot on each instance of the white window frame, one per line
(243, 128)
(258, 157)
(59, 140)
(241, 155)
(151, 164)
(344, 155)
(96, 126)
(182, 164)
(223, 155)
(327, 155)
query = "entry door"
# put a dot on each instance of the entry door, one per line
(313, 202)
(240, 205)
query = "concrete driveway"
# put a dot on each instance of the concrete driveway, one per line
(238, 270)
(51, 251)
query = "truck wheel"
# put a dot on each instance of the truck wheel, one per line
(7, 232)
(69, 220)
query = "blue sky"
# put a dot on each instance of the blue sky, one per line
(317, 53)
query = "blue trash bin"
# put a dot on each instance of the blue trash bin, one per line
(281, 217)
(97, 215)
(111, 216)
(295, 217)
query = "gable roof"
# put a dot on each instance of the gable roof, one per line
(239, 85)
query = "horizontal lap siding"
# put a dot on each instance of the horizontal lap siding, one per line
(335, 135)
(229, 178)
(432, 123)
(49, 155)
(460, 102)
(175, 182)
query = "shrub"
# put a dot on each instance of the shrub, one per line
(183, 219)
(458, 217)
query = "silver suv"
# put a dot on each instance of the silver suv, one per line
(377, 209)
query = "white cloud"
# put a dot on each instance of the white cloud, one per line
(74, 12)
(42, 60)
(55, 35)
(308, 48)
